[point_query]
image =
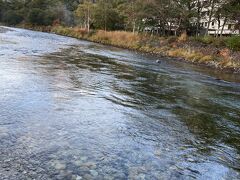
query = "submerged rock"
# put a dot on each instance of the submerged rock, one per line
(59, 165)
(140, 176)
(94, 173)
(91, 165)
(190, 160)
(78, 163)
(87, 177)
(84, 158)
(79, 178)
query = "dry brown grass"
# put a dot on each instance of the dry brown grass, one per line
(80, 31)
(228, 63)
(118, 38)
(173, 46)
(76, 32)
(190, 55)
(206, 59)
(183, 37)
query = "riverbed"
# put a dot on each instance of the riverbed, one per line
(72, 109)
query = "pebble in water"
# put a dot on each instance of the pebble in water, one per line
(190, 160)
(78, 178)
(3, 132)
(78, 163)
(59, 165)
(140, 177)
(87, 177)
(158, 153)
(91, 165)
(84, 158)
(94, 173)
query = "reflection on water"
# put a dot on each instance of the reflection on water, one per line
(80, 110)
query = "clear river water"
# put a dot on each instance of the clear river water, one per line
(72, 109)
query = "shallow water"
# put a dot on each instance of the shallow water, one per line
(72, 109)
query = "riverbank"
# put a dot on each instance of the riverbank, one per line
(208, 51)
(3, 30)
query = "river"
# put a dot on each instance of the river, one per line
(72, 109)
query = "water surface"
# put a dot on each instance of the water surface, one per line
(72, 109)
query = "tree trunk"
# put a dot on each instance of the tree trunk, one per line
(134, 27)
(210, 16)
(224, 23)
(199, 9)
(88, 19)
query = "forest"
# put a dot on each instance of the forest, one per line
(163, 16)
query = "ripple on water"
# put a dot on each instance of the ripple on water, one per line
(84, 112)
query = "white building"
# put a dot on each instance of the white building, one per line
(210, 22)
(218, 25)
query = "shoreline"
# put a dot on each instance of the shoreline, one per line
(4, 29)
(220, 59)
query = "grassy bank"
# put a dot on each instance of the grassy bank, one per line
(222, 53)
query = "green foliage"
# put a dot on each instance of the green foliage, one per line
(36, 12)
(36, 16)
(205, 39)
(40, 17)
(219, 42)
(215, 41)
(1, 9)
(71, 5)
(84, 14)
(107, 19)
(233, 43)
(100, 15)
(172, 39)
(13, 17)
(230, 42)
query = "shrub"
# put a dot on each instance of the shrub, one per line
(216, 41)
(39, 16)
(81, 32)
(205, 39)
(172, 39)
(13, 17)
(219, 42)
(176, 52)
(207, 58)
(183, 37)
(36, 16)
(228, 63)
(233, 43)
(191, 55)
